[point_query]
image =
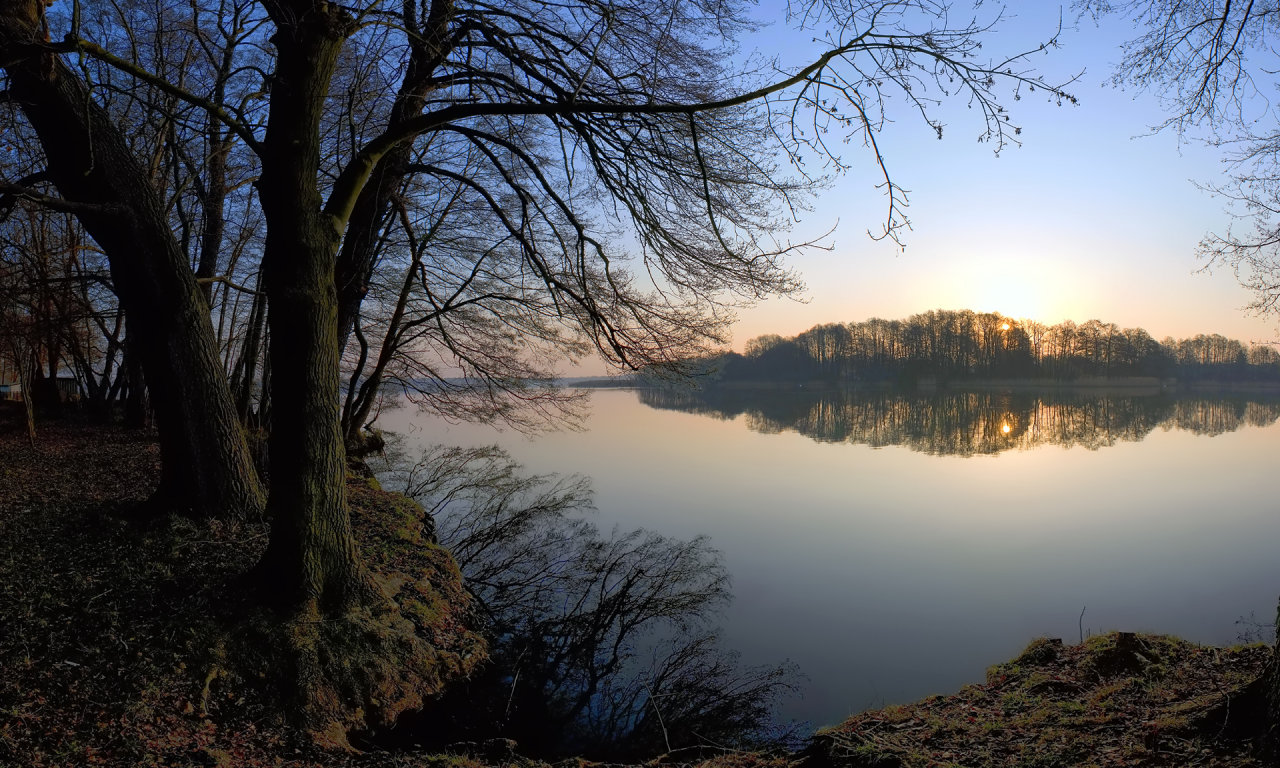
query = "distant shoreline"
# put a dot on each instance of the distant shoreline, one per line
(1146, 385)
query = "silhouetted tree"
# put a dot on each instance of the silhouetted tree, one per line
(959, 345)
(563, 126)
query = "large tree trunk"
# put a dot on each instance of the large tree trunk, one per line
(311, 556)
(206, 466)
(356, 659)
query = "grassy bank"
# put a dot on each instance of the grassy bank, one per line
(1117, 699)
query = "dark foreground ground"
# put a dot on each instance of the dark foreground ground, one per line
(105, 654)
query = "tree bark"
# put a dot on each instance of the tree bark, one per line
(311, 557)
(206, 466)
(213, 202)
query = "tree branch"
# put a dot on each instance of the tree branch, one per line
(352, 179)
(98, 52)
(12, 191)
(227, 280)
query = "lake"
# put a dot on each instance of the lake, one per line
(895, 545)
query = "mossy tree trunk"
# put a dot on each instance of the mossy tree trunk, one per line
(206, 467)
(311, 557)
(353, 658)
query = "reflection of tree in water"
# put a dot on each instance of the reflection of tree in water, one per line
(971, 423)
(600, 644)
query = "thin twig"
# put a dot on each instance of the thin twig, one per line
(654, 702)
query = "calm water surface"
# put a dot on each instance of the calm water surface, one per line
(894, 546)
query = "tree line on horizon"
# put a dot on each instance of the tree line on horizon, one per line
(951, 345)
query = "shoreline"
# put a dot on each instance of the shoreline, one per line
(1139, 385)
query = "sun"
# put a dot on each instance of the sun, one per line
(1005, 429)
(1005, 327)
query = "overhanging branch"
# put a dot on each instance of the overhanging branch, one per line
(352, 179)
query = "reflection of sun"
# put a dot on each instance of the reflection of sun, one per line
(1005, 429)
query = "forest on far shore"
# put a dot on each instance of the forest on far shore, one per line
(957, 345)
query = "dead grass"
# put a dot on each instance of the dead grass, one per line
(1115, 700)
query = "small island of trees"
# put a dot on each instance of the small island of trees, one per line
(962, 345)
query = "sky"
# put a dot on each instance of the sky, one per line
(1090, 218)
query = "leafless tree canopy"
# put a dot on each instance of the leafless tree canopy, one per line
(519, 183)
(1212, 63)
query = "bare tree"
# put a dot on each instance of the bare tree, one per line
(574, 130)
(1203, 58)
(101, 180)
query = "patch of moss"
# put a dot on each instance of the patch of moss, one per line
(367, 666)
(1118, 699)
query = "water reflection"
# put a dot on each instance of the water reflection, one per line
(950, 423)
(889, 575)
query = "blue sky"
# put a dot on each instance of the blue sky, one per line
(1089, 218)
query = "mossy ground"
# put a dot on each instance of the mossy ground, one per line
(1115, 700)
(139, 643)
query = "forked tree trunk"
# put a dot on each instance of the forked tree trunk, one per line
(311, 557)
(205, 461)
(357, 659)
